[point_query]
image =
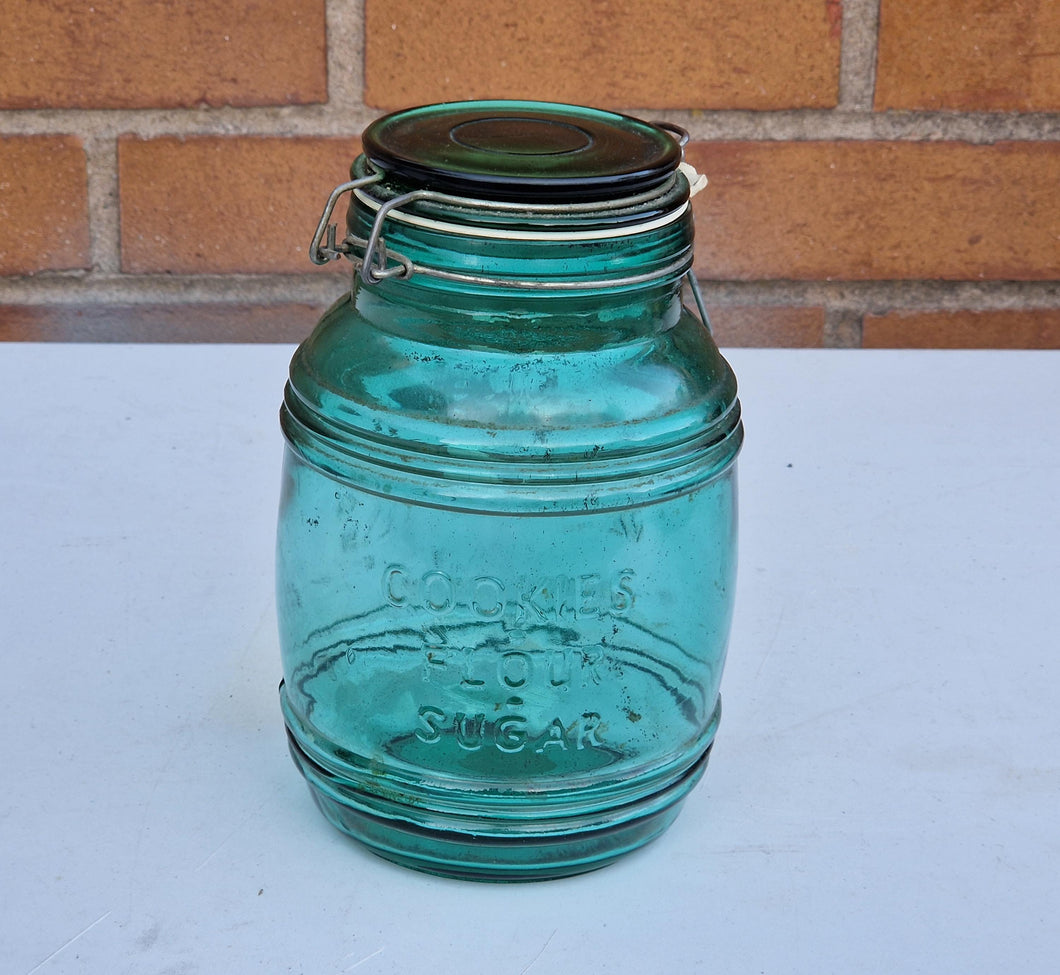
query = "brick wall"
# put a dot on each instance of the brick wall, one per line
(883, 172)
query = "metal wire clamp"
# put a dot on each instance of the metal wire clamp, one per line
(373, 259)
(321, 252)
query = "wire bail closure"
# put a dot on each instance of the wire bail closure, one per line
(372, 258)
(321, 252)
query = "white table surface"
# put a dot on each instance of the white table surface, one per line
(885, 791)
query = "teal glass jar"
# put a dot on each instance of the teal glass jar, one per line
(507, 532)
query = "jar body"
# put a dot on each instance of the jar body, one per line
(505, 577)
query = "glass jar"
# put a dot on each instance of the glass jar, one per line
(507, 532)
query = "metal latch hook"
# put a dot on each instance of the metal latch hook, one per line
(319, 251)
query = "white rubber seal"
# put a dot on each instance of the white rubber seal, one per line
(696, 180)
(497, 233)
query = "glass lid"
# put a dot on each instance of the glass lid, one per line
(534, 152)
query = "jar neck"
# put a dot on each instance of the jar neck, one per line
(518, 321)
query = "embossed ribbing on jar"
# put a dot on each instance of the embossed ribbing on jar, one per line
(507, 532)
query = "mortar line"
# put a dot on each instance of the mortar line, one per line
(842, 328)
(62, 288)
(345, 56)
(866, 297)
(860, 297)
(857, 64)
(336, 121)
(101, 161)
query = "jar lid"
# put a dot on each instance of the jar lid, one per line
(522, 151)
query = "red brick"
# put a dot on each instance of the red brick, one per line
(771, 54)
(131, 54)
(878, 210)
(1022, 329)
(768, 327)
(43, 204)
(214, 322)
(976, 55)
(226, 205)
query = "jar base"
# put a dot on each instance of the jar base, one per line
(526, 849)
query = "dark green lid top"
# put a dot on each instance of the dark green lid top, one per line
(523, 151)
